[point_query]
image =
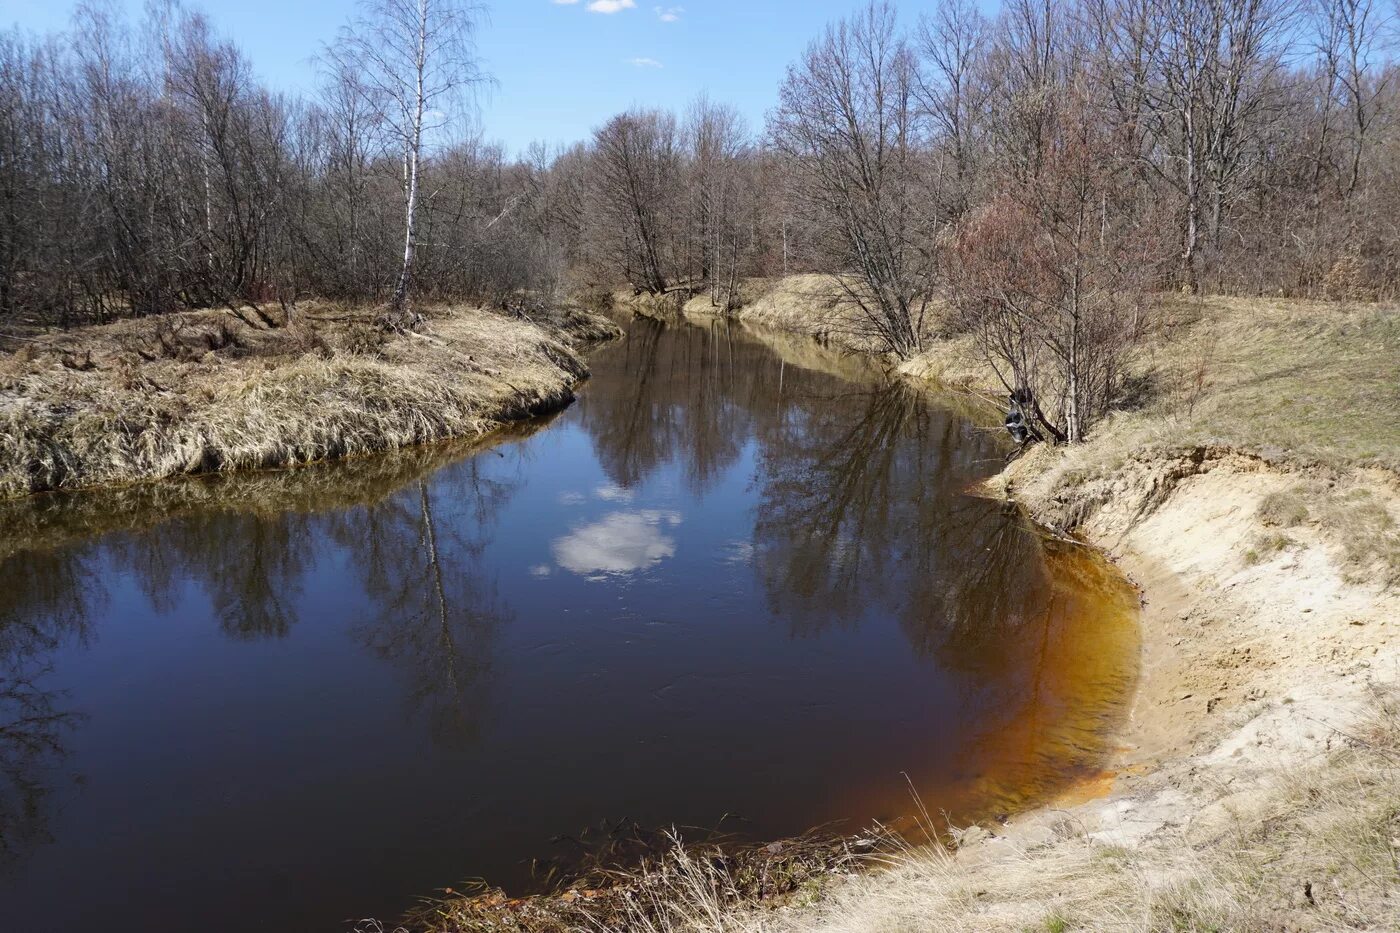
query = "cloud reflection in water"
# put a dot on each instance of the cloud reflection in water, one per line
(619, 543)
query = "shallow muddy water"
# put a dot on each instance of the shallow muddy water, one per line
(737, 584)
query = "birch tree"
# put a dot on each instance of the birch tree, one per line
(416, 61)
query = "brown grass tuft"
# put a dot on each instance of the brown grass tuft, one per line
(1284, 508)
(1265, 545)
(1363, 526)
(681, 886)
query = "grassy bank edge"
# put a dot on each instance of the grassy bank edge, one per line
(198, 393)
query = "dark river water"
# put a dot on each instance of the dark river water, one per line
(738, 585)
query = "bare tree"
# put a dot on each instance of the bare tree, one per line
(1026, 62)
(349, 125)
(1214, 65)
(952, 43)
(716, 138)
(415, 60)
(635, 194)
(848, 126)
(1350, 34)
(144, 169)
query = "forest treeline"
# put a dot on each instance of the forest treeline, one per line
(1026, 177)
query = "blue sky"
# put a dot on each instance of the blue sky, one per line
(561, 68)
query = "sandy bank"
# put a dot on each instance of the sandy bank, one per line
(204, 392)
(1255, 787)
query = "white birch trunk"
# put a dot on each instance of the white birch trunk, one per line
(413, 151)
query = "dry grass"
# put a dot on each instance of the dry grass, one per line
(811, 305)
(807, 304)
(1286, 508)
(195, 393)
(1354, 517)
(814, 305)
(1290, 381)
(665, 307)
(1299, 380)
(1265, 545)
(677, 885)
(1360, 522)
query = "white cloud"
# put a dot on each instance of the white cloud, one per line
(621, 543)
(565, 2)
(667, 14)
(644, 62)
(611, 6)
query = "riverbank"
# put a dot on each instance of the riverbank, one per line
(204, 391)
(1252, 494)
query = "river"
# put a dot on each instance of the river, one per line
(739, 584)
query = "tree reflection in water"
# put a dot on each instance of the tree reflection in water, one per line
(862, 513)
(248, 544)
(250, 567)
(435, 609)
(667, 396)
(859, 483)
(54, 606)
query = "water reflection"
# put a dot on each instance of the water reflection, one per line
(858, 485)
(860, 513)
(33, 729)
(668, 399)
(249, 567)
